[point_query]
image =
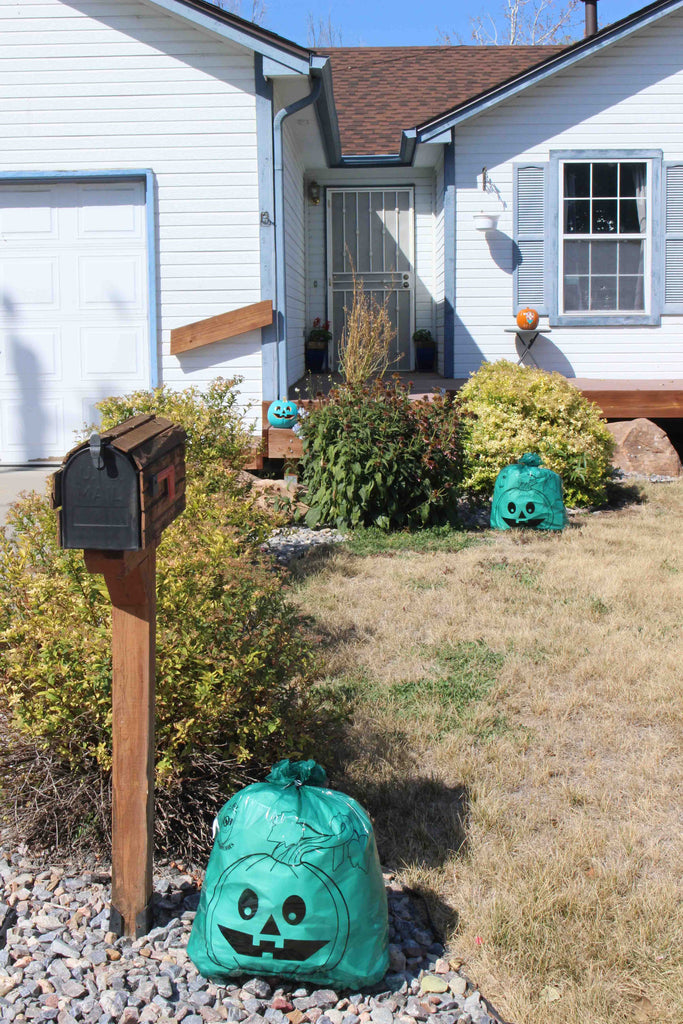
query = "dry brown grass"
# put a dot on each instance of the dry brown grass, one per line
(547, 825)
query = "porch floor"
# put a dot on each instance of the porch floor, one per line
(618, 399)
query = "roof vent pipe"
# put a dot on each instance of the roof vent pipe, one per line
(591, 18)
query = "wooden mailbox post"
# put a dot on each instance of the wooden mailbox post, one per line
(116, 494)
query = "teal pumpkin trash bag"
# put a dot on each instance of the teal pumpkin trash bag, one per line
(293, 887)
(528, 494)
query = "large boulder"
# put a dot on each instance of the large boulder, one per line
(644, 448)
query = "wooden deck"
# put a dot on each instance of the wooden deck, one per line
(618, 400)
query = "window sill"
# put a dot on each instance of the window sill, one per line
(595, 320)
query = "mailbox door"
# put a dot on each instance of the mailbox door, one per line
(100, 507)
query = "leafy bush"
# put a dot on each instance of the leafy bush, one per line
(374, 458)
(232, 659)
(509, 410)
(217, 434)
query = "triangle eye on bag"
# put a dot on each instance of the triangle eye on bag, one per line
(293, 887)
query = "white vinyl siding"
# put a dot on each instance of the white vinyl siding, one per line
(625, 97)
(107, 84)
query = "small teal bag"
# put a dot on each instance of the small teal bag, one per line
(293, 887)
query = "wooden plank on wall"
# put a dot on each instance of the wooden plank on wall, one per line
(218, 328)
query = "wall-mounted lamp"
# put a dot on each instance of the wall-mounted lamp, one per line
(314, 193)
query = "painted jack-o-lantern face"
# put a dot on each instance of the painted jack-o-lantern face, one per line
(525, 508)
(527, 319)
(249, 929)
(282, 413)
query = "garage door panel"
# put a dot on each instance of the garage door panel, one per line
(113, 284)
(111, 211)
(73, 309)
(29, 354)
(112, 354)
(29, 285)
(28, 214)
(34, 422)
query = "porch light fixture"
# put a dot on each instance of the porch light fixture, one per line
(314, 193)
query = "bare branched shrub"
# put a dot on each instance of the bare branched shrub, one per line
(365, 345)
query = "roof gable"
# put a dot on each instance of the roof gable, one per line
(432, 128)
(381, 90)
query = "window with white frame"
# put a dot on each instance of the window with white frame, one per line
(605, 227)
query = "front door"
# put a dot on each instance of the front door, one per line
(372, 231)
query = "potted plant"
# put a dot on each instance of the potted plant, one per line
(425, 350)
(317, 342)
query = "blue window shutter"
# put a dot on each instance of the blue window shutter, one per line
(673, 238)
(530, 248)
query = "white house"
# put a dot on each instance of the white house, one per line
(164, 164)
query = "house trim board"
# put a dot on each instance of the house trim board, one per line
(280, 305)
(449, 258)
(264, 144)
(147, 176)
(559, 62)
(557, 319)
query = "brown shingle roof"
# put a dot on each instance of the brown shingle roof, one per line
(381, 90)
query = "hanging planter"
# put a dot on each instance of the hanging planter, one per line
(486, 221)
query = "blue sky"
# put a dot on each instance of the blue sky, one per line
(401, 22)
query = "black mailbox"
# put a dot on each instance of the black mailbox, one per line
(120, 490)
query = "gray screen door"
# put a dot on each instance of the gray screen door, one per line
(373, 231)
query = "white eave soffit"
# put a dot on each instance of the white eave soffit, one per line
(281, 62)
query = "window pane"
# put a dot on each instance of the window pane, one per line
(631, 293)
(577, 216)
(631, 257)
(629, 216)
(605, 179)
(632, 178)
(577, 257)
(575, 294)
(604, 257)
(604, 216)
(603, 293)
(577, 180)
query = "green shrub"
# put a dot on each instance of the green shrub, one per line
(232, 658)
(374, 458)
(509, 410)
(217, 432)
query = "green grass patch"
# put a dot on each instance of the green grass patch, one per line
(465, 673)
(373, 541)
(470, 669)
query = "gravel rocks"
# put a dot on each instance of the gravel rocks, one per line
(294, 541)
(59, 962)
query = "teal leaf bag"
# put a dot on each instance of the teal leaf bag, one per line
(293, 887)
(528, 494)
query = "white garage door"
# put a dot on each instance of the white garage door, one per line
(73, 309)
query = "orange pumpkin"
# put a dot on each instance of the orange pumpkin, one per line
(527, 319)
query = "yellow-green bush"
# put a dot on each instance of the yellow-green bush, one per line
(232, 658)
(509, 410)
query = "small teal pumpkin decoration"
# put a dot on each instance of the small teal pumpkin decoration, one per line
(528, 494)
(282, 413)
